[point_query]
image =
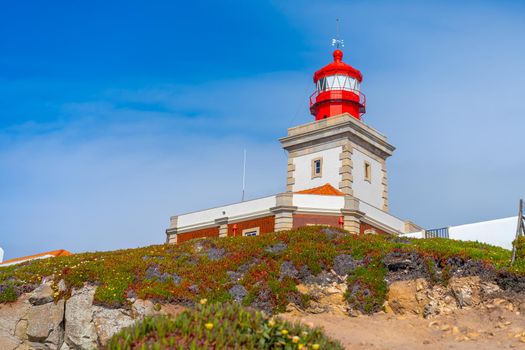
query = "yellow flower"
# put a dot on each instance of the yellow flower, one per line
(271, 323)
(209, 325)
(284, 332)
(300, 346)
(315, 346)
(295, 339)
(203, 301)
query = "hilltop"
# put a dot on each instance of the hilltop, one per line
(309, 271)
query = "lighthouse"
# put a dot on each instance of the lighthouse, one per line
(336, 172)
(337, 90)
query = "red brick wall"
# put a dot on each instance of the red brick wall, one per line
(265, 224)
(364, 226)
(310, 219)
(205, 232)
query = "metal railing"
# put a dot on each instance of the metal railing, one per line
(338, 94)
(437, 233)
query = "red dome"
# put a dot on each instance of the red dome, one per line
(338, 67)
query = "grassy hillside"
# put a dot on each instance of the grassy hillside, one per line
(259, 271)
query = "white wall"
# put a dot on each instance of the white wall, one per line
(499, 232)
(370, 192)
(232, 211)
(303, 169)
(318, 203)
(382, 217)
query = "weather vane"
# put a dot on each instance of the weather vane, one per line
(338, 43)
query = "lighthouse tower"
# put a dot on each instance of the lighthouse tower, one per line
(338, 149)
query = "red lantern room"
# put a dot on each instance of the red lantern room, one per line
(337, 90)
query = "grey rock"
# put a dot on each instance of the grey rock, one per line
(11, 316)
(62, 286)
(238, 292)
(288, 269)
(45, 324)
(42, 295)
(194, 289)
(344, 264)
(110, 321)
(215, 254)
(80, 332)
(276, 248)
(153, 273)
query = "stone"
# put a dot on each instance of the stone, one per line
(276, 248)
(238, 292)
(8, 342)
(43, 294)
(110, 321)
(488, 288)
(143, 308)
(65, 346)
(61, 286)
(402, 297)
(10, 317)
(45, 324)
(466, 290)
(80, 332)
(344, 264)
(288, 269)
(215, 254)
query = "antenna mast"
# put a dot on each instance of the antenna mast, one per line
(243, 176)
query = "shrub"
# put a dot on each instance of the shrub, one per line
(220, 326)
(7, 293)
(367, 288)
(519, 243)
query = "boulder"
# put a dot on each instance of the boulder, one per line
(142, 308)
(80, 332)
(45, 324)
(43, 294)
(466, 290)
(110, 321)
(407, 296)
(11, 316)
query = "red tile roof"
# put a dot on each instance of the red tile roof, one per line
(325, 190)
(53, 253)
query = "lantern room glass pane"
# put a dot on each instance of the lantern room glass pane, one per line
(338, 82)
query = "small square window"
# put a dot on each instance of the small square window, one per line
(254, 231)
(317, 167)
(368, 172)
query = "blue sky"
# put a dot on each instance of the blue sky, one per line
(116, 115)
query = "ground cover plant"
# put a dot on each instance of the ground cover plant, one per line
(220, 326)
(261, 271)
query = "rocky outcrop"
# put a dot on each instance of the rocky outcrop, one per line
(37, 321)
(80, 329)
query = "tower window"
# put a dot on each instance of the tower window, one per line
(368, 172)
(317, 167)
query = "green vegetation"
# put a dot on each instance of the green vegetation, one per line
(367, 288)
(8, 293)
(209, 268)
(226, 326)
(519, 243)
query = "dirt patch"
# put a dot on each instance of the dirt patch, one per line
(491, 327)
